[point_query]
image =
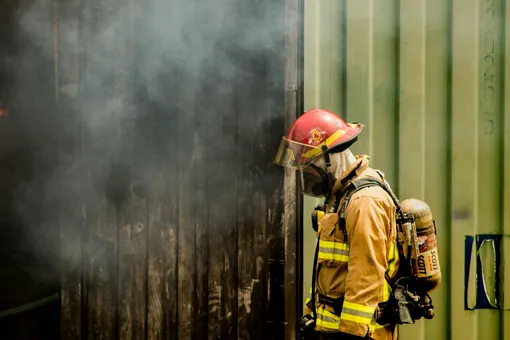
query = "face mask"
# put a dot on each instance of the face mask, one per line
(316, 181)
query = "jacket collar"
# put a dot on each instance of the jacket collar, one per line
(356, 168)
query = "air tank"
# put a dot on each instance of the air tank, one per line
(425, 260)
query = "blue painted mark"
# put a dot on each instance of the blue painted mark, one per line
(482, 297)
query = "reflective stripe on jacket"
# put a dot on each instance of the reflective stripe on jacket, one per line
(353, 266)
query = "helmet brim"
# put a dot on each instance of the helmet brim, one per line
(347, 139)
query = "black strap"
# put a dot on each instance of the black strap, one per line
(390, 281)
(312, 297)
(336, 304)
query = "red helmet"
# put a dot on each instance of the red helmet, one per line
(309, 133)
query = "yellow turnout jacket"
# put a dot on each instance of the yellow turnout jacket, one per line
(353, 266)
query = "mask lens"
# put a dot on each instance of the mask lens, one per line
(312, 184)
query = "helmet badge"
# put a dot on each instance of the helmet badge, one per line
(316, 136)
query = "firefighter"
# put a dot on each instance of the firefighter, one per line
(352, 260)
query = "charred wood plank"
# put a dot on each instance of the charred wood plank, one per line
(186, 146)
(292, 228)
(132, 224)
(71, 232)
(201, 170)
(101, 256)
(71, 217)
(261, 286)
(272, 127)
(162, 233)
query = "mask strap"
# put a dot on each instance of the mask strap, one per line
(329, 176)
(325, 173)
(326, 157)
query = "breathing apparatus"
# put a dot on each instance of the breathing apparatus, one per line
(319, 185)
(419, 272)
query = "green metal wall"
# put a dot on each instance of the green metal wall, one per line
(427, 79)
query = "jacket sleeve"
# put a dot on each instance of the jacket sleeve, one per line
(367, 219)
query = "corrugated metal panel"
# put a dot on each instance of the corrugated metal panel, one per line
(427, 79)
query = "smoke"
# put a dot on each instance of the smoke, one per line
(139, 83)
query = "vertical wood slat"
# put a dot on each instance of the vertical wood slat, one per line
(252, 216)
(248, 280)
(101, 278)
(203, 196)
(71, 248)
(132, 217)
(186, 173)
(100, 235)
(227, 177)
(273, 189)
(132, 159)
(215, 291)
(202, 168)
(163, 183)
(292, 108)
(67, 65)
(212, 90)
(163, 218)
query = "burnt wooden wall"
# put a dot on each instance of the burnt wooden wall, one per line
(174, 222)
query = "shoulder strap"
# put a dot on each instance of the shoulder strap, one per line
(359, 184)
(314, 277)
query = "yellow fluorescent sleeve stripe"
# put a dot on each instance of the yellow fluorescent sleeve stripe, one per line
(336, 257)
(334, 245)
(357, 313)
(327, 316)
(355, 318)
(329, 250)
(327, 324)
(327, 319)
(359, 308)
(333, 251)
